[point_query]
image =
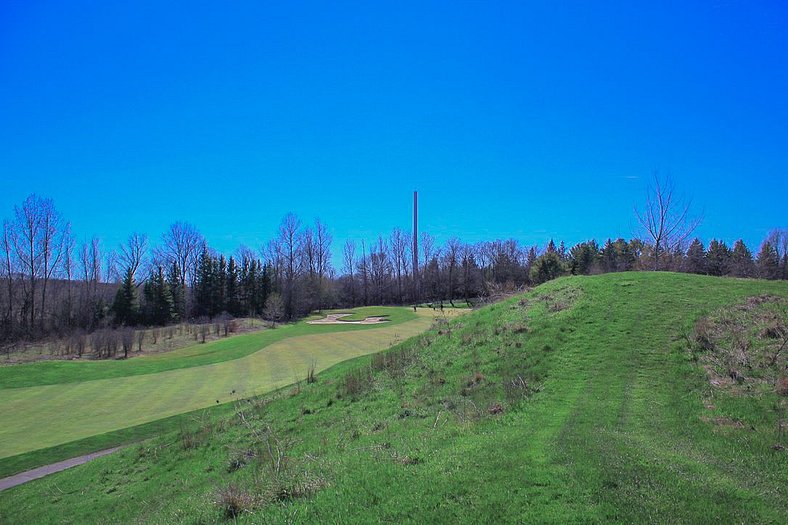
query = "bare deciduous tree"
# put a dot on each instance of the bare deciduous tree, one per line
(349, 260)
(398, 243)
(666, 218)
(451, 258)
(181, 246)
(322, 258)
(132, 253)
(37, 234)
(288, 243)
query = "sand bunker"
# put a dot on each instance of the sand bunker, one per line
(337, 319)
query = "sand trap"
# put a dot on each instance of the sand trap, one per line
(337, 319)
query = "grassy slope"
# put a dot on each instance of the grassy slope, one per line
(615, 434)
(43, 416)
(59, 372)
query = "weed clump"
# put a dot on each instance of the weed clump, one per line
(234, 501)
(356, 383)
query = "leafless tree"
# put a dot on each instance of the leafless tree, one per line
(380, 269)
(181, 246)
(8, 271)
(349, 260)
(363, 269)
(427, 248)
(468, 262)
(308, 252)
(398, 242)
(274, 308)
(68, 272)
(451, 259)
(322, 258)
(127, 340)
(666, 218)
(778, 238)
(133, 252)
(37, 234)
(111, 272)
(89, 259)
(288, 245)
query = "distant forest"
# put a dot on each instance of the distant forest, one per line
(54, 285)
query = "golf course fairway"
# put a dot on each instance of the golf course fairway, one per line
(43, 416)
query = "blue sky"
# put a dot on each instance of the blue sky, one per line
(527, 119)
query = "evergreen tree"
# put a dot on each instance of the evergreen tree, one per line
(548, 266)
(717, 258)
(126, 306)
(177, 291)
(263, 287)
(696, 258)
(562, 251)
(159, 303)
(231, 288)
(204, 285)
(219, 286)
(608, 257)
(768, 262)
(583, 258)
(742, 264)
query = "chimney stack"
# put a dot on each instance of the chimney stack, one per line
(415, 246)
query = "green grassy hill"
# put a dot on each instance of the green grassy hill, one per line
(637, 397)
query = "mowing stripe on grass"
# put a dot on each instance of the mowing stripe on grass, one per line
(57, 372)
(43, 416)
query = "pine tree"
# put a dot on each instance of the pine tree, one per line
(204, 285)
(264, 289)
(159, 303)
(718, 258)
(178, 292)
(742, 264)
(231, 288)
(583, 257)
(608, 257)
(548, 266)
(696, 258)
(768, 262)
(126, 306)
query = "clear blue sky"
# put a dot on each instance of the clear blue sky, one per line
(528, 119)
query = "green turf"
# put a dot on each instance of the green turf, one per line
(615, 427)
(49, 415)
(57, 372)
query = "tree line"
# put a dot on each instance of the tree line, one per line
(53, 284)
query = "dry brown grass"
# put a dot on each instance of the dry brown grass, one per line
(743, 347)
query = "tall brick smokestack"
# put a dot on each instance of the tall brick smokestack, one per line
(415, 246)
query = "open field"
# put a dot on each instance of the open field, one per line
(51, 414)
(582, 401)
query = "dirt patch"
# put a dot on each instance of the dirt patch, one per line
(337, 319)
(724, 422)
(554, 301)
(743, 347)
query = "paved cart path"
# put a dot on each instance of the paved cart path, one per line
(40, 472)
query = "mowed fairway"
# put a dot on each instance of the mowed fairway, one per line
(48, 415)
